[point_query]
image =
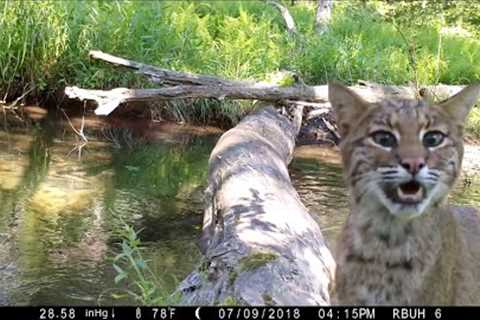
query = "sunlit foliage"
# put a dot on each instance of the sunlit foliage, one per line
(44, 44)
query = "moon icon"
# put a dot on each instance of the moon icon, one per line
(197, 313)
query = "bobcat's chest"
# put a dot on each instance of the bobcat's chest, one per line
(378, 268)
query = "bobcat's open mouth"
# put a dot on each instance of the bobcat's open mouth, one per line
(410, 193)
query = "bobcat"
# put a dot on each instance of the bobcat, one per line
(402, 243)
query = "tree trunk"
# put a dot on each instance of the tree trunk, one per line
(260, 244)
(324, 13)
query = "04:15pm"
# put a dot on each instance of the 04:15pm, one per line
(346, 313)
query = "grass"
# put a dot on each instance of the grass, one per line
(473, 124)
(45, 45)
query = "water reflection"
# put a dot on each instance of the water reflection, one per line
(59, 213)
(320, 186)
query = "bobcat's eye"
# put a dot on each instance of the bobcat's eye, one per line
(433, 138)
(384, 138)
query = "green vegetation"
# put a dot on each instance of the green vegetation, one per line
(44, 44)
(268, 299)
(230, 301)
(256, 260)
(232, 276)
(473, 123)
(130, 264)
(153, 189)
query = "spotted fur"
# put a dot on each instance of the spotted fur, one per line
(397, 252)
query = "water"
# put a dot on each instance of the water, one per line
(63, 202)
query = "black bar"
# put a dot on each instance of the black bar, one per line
(234, 313)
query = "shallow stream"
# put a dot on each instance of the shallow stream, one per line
(63, 202)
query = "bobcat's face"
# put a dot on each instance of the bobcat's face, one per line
(403, 155)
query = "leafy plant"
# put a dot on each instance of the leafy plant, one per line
(132, 267)
(44, 45)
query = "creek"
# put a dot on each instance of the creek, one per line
(63, 203)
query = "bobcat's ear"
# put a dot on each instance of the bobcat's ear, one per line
(347, 105)
(459, 105)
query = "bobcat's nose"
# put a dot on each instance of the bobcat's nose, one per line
(413, 165)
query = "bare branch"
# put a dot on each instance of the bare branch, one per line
(287, 17)
(160, 74)
(190, 85)
(108, 100)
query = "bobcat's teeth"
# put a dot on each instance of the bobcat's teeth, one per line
(410, 197)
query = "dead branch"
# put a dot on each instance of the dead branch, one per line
(160, 75)
(108, 100)
(287, 17)
(188, 85)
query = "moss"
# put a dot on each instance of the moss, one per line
(230, 301)
(232, 276)
(256, 260)
(268, 299)
(203, 269)
(204, 266)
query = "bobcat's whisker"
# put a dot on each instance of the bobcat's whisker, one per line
(401, 233)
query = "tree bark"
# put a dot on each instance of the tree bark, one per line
(324, 13)
(260, 244)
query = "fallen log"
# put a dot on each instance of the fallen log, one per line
(109, 100)
(189, 85)
(260, 244)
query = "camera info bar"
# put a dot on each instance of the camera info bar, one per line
(234, 313)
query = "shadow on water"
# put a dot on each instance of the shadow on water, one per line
(61, 210)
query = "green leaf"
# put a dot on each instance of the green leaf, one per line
(120, 277)
(132, 168)
(119, 256)
(140, 263)
(126, 248)
(118, 269)
(117, 296)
